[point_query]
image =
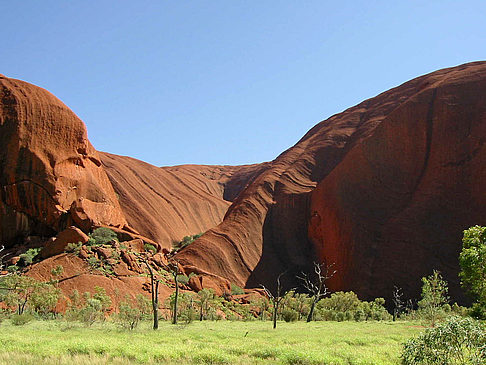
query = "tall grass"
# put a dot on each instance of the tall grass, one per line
(225, 342)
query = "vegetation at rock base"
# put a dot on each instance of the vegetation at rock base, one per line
(453, 336)
(456, 341)
(472, 260)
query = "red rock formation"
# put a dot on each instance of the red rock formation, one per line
(394, 209)
(50, 175)
(58, 244)
(167, 203)
(400, 175)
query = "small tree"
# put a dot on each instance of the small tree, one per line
(204, 298)
(472, 260)
(275, 297)
(434, 296)
(16, 290)
(316, 284)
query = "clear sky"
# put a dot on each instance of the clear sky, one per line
(226, 82)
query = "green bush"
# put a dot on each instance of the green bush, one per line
(183, 279)
(186, 241)
(28, 257)
(289, 315)
(12, 269)
(149, 248)
(21, 319)
(472, 260)
(456, 341)
(74, 248)
(434, 297)
(236, 290)
(129, 315)
(102, 236)
(44, 298)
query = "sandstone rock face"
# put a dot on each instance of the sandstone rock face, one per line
(395, 207)
(167, 203)
(57, 245)
(398, 178)
(51, 177)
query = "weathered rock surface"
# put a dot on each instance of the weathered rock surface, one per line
(58, 244)
(395, 207)
(383, 190)
(167, 203)
(400, 176)
(51, 177)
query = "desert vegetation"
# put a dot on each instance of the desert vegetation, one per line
(314, 325)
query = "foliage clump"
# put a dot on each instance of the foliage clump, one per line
(472, 260)
(434, 297)
(27, 258)
(455, 341)
(186, 241)
(102, 236)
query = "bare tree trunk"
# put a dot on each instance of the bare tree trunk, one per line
(155, 304)
(275, 311)
(154, 285)
(174, 315)
(311, 312)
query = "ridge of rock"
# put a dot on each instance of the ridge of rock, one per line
(50, 175)
(281, 222)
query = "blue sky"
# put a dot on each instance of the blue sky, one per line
(226, 82)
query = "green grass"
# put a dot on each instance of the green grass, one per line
(225, 342)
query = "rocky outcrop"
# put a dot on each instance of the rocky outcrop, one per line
(382, 190)
(395, 207)
(398, 178)
(167, 203)
(51, 177)
(58, 244)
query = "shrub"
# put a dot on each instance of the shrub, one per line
(183, 279)
(102, 236)
(472, 260)
(149, 248)
(289, 315)
(21, 319)
(12, 268)
(129, 315)
(236, 290)
(74, 248)
(456, 341)
(44, 299)
(92, 312)
(28, 257)
(186, 241)
(434, 297)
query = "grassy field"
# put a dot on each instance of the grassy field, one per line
(225, 342)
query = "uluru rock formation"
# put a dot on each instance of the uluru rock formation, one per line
(50, 175)
(383, 190)
(167, 203)
(398, 178)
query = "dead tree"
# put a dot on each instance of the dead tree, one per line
(154, 285)
(398, 303)
(173, 267)
(2, 248)
(275, 298)
(315, 284)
